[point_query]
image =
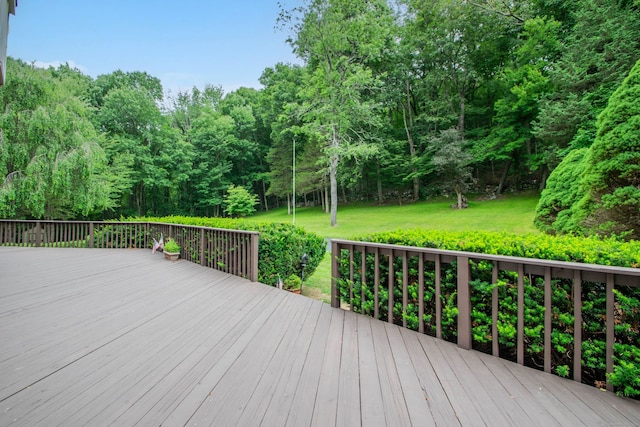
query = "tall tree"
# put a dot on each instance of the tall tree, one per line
(279, 96)
(215, 148)
(340, 41)
(131, 119)
(526, 79)
(597, 52)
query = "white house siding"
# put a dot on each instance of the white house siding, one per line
(6, 7)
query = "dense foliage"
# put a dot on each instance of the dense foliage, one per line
(239, 202)
(519, 85)
(597, 190)
(281, 246)
(587, 250)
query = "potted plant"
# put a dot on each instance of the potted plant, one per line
(171, 250)
(292, 284)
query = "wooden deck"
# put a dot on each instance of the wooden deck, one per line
(123, 337)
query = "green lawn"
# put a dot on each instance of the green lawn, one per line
(513, 214)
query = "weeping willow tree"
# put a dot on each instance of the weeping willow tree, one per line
(51, 163)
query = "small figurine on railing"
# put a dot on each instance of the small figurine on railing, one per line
(158, 244)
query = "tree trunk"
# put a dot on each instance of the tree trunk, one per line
(333, 168)
(543, 179)
(333, 178)
(264, 193)
(461, 106)
(503, 178)
(408, 126)
(326, 198)
(380, 196)
(138, 198)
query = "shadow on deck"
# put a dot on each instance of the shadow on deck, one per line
(106, 336)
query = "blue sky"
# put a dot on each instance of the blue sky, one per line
(184, 43)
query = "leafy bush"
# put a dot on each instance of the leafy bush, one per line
(564, 248)
(280, 249)
(171, 246)
(292, 282)
(239, 202)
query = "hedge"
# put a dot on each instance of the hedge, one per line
(626, 376)
(280, 249)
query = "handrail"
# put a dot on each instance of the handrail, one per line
(367, 260)
(231, 251)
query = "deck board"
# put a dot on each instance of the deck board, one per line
(123, 337)
(371, 399)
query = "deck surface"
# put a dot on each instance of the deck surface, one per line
(123, 337)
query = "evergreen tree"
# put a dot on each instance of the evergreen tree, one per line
(612, 178)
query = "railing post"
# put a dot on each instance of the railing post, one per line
(610, 328)
(520, 320)
(335, 275)
(376, 283)
(254, 257)
(548, 308)
(438, 267)
(390, 284)
(495, 339)
(421, 293)
(405, 287)
(38, 234)
(464, 304)
(577, 326)
(91, 233)
(202, 248)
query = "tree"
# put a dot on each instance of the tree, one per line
(452, 163)
(51, 162)
(185, 107)
(597, 52)
(279, 103)
(252, 141)
(214, 144)
(511, 137)
(139, 80)
(612, 178)
(131, 119)
(606, 198)
(239, 202)
(340, 40)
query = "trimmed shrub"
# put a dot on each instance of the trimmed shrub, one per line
(562, 191)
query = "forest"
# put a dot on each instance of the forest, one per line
(395, 101)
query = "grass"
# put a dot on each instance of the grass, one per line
(513, 214)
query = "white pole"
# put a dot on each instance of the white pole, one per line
(294, 180)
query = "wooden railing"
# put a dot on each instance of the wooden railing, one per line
(373, 269)
(231, 251)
